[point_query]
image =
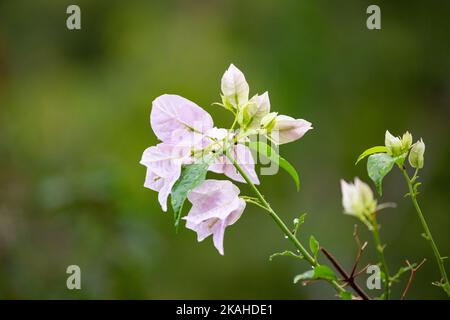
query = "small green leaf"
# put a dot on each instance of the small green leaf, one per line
(324, 272)
(191, 176)
(319, 272)
(415, 186)
(285, 254)
(378, 166)
(298, 222)
(289, 168)
(268, 152)
(314, 246)
(345, 295)
(425, 236)
(368, 152)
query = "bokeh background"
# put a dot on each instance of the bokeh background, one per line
(74, 121)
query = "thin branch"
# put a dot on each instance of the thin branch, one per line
(347, 278)
(360, 250)
(256, 203)
(357, 274)
(413, 271)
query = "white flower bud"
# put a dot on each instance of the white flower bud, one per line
(396, 145)
(393, 144)
(234, 86)
(416, 158)
(357, 199)
(406, 141)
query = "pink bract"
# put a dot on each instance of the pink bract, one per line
(163, 164)
(215, 206)
(288, 129)
(177, 120)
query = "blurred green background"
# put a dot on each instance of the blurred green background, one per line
(74, 121)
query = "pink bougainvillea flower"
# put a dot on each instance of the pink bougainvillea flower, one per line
(177, 120)
(288, 129)
(243, 157)
(215, 206)
(163, 164)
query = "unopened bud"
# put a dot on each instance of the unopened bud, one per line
(416, 158)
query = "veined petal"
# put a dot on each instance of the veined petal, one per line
(163, 164)
(213, 199)
(288, 129)
(215, 206)
(219, 231)
(177, 120)
(234, 86)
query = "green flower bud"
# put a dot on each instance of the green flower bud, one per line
(406, 141)
(416, 155)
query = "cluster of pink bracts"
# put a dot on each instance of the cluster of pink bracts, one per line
(186, 130)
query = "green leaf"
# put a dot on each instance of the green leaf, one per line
(368, 152)
(191, 176)
(319, 272)
(268, 152)
(285, 254)
(324, 272)
(314, 246)
(345, 295)
(289, 168)
(378, 166)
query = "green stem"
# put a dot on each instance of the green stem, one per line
(440, 261)
(280, 222)
(380, 249)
